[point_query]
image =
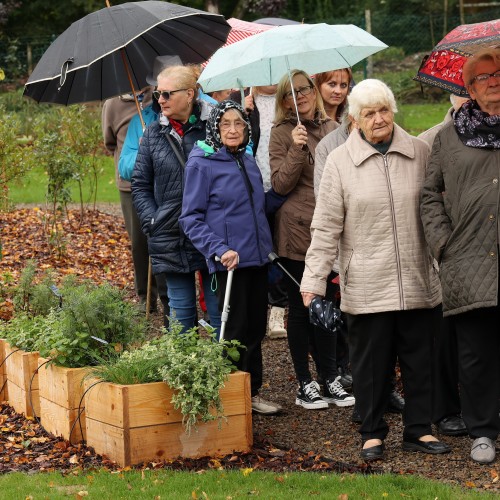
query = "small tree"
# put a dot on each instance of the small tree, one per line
(15, 154)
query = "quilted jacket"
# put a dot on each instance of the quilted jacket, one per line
(460, 210)
(368, 206)
(157, 189)
(223, 208)
(292, 174)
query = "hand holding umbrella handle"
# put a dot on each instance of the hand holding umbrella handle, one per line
(225, 308)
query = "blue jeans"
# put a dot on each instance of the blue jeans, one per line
(181, 289)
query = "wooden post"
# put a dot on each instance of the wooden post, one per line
(369, 64)
(461, 8)
(29, 58)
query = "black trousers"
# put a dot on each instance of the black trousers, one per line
(301, 333)
(375, 340)
(446, 397)
(247, 319)
(478, 339)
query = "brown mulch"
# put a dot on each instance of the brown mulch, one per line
(296, 439)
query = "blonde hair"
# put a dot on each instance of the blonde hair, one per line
(489, 54)
(281, 113)
(368, 93)
(185, 76)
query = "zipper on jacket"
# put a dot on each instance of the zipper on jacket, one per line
(248, 185)
(396, 242)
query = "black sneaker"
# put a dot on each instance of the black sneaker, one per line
(308, 396)
(333, 392)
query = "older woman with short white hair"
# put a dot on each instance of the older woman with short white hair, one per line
(368, 207)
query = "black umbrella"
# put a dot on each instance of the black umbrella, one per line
(111, 51)
(324, 314)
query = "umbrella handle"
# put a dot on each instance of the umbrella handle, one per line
(292, 89)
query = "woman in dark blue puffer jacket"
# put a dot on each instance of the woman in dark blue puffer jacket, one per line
(158, 188)
(223, 214)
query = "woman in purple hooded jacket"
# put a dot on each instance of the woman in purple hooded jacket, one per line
(223, 214)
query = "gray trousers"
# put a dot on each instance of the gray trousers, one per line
(140, 255)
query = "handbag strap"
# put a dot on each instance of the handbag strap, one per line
(175, 149)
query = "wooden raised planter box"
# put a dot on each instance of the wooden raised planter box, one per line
(61, 390)
(21, 368)
(137, 423)
(4, 395)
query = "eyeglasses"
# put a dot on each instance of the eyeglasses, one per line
(484, 77)
(165, 94)
(238, 126)
(306, 90)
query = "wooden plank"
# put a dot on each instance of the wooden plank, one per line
(21, 366)
(63, 386)
(168, 441)
(59, 420)
(19, 400)
(4, 396)
(149, 404)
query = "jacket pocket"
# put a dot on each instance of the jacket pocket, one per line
(346, 269)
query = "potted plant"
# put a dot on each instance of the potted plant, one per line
(174, 396)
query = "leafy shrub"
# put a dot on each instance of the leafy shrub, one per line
(95, 322)
(28, 333)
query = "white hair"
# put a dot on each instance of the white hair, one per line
(369, 93)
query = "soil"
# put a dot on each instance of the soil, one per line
(295, 439)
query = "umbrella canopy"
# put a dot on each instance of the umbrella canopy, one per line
(86, 62)
(275, 21)
(243, 29)
(264, 58)
(443, 67)
(324, 314)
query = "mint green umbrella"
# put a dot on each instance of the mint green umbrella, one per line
(264, 58)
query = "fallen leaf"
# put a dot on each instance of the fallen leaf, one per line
(247, 471)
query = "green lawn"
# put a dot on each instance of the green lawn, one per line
(224, 485)
(33, 186)
(415, 118)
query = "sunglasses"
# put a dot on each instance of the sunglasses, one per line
(165, 93)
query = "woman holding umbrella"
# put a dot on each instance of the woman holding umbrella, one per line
(291, 152)
(223, 215)
(158, 188)
(367, 212)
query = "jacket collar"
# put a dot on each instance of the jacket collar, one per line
(359, 150)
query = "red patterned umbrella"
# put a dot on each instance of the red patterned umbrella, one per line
(443, 67)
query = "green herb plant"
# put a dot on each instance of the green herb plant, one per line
(196, 368)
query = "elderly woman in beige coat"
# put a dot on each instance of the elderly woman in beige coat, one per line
(368, 207)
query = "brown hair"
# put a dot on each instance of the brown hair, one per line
(322, 78)
(282, 113)
(488, 54)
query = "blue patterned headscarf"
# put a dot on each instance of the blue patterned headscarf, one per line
(213, 138)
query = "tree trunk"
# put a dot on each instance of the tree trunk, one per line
(240, 9)
(212, 6)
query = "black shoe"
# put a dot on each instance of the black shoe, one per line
(333, 392)
(356, 417)
(452, 426)
(431, 447)
(345, 378)
(373, 453)
(396, 402)
(308, 396)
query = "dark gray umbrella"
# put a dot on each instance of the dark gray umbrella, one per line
(91, 60)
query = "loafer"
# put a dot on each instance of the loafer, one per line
(373, 453)
(431, 447)
(483, 450)
(396, 402)
(452, 426)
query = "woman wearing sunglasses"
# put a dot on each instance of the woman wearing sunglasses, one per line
(157, 191)
(291, 154)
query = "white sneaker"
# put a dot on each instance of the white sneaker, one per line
(276, 323)
(264, 407)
